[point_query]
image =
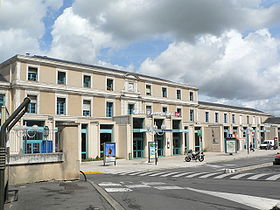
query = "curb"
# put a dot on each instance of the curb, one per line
(247, 168)
(107, 197)
(93, 172)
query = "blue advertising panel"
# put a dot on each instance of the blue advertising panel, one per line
(110, 152)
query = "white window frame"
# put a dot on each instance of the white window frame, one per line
(66, 104)
(166, 91)
(166, 106)
(150, 89)
(66, 76)
(112, 101)
(38, 72)
(216, 120)
(193, 120)
(151, 105)
(233, 118)
(225, 120)
(91, 82)
(180, 107)
(192, 96)
(207, 119)
(34, 93)
(180, 94)
(91, 105)
(114, 84)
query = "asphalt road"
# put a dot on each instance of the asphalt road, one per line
(167, 190)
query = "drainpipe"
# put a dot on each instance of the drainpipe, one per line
(7, 126)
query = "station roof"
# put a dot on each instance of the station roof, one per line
(273, 120)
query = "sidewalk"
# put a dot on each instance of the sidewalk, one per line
(58, 195)
(123, 165)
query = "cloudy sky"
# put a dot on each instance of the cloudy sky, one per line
(229, 49)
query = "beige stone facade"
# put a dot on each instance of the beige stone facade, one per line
(123, 107)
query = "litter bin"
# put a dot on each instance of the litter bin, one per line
(130, 156)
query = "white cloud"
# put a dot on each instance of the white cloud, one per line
(229, 67)
(21, 25)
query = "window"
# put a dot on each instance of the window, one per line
(86, 108)
(148, 109)
(178, 94)
(2, 99)
(216, 117)
(191, 115)
(225, 118)
(87, 81)
(233, 118)
(178, 112)
(164, 92)
(206, 116)
(191, 96)
(164, 109)
(130, 109)
(33, 104)
(109, 109)
(32, 73)
(61, 106)
(148, 90)
(110, 84)
(248, 120)
(61, 77)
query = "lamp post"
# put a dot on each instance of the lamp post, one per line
(155, 131)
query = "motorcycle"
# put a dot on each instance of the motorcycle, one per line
(194, 156)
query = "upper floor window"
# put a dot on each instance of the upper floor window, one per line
(191, 115)
(32, 104)
(86, 108)
(225, 117)
(109, 109)
(61, 77)
(130, 109)
(164, 109)
(2, 100)
(216, 117)
(61, 106)
(148, 109)
(178, 112)
(178, 94)
(248, 120)
(233, 118)
(87, 81)
(164, 92)
(32, 73)
(148, 90)
(206, 116)
(191, 96)
(110, 84)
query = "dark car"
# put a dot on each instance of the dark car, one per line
(277, 159)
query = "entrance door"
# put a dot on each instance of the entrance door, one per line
(176, 144)
(138, 145)
(160, 145)
(84, 142)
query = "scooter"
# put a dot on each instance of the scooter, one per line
(194, 156)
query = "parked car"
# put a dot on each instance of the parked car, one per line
(277, 159)
(268, 144)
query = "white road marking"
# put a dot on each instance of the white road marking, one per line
(238, 176)
(153, 183)
(256, 176)
(126, 173)
(222, 176)
(208, 175)
(135, 173)
(248, 200)
(273, 178)
(182, 174)
(157, 173)
(146, 173)
(138, 186)
(118, 190)
(169, 188)
(195, 174)
(107, 184)
(165, 175)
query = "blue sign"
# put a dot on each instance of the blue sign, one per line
(110, 152)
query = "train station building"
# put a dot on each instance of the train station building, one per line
(127, 108)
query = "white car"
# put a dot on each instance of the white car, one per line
(268, 144)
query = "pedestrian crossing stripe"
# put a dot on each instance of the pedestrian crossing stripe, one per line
(203, 175)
